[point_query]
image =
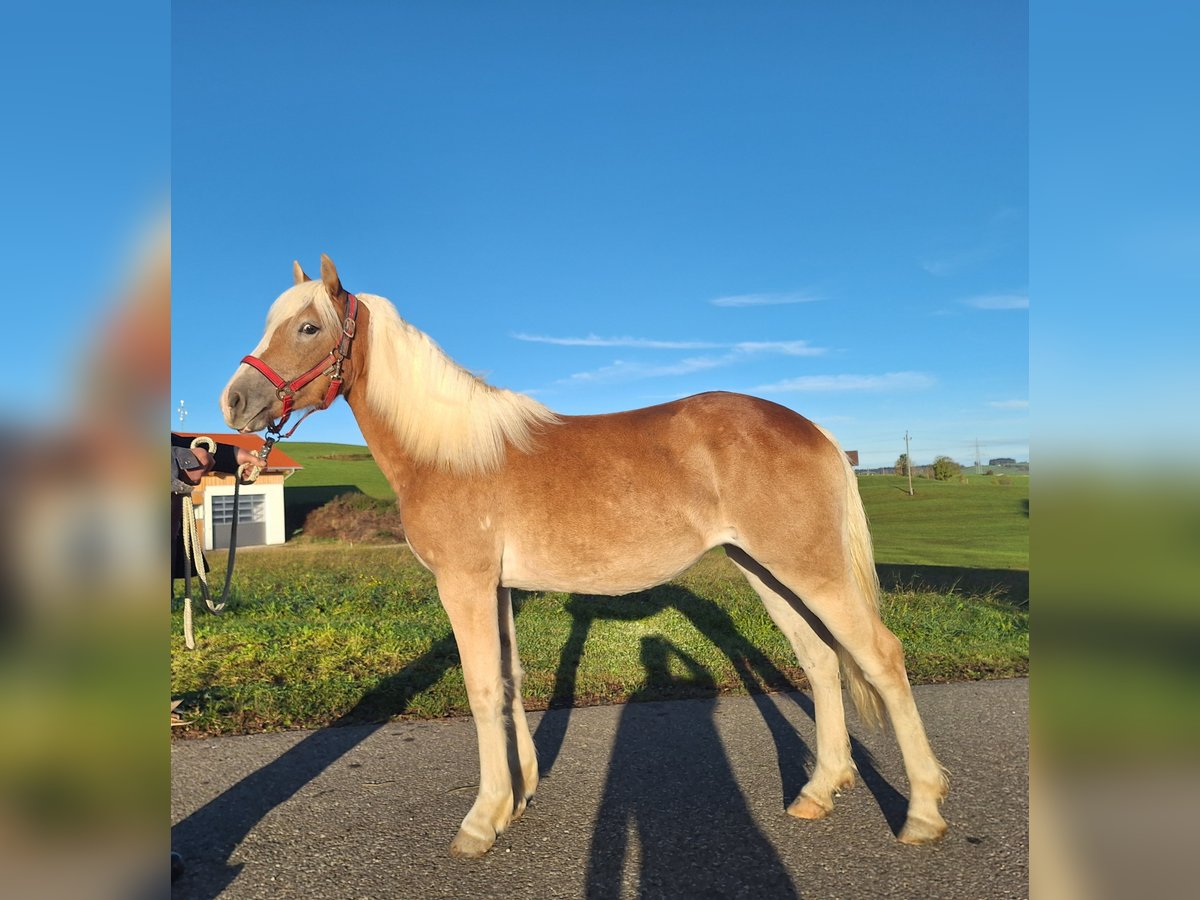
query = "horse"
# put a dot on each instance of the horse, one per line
(498, 492)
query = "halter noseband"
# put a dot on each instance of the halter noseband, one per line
(330, 366)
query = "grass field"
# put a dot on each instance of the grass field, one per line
(983, 524)
(329, 633)
(323, 633)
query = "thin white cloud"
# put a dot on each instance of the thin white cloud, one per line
(952, 264)
(593, 340)
(891, 381)
(1009, 404)
(632, 371)
(781, 299)
(787, 348)
(998, 301)
(622, 370)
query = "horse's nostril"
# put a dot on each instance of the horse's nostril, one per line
(235, 401)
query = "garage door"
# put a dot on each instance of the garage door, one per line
(252, 519)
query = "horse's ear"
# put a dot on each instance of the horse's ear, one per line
(329, 276)
(298, 276)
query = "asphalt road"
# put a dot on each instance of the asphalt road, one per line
(662, 799)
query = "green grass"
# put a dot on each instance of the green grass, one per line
(327, 634)
(982, 524)
(320, 634)
(331, 465)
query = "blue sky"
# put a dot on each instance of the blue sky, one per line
(616, 205)
(86, 165)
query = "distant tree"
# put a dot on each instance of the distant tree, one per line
(902, 464)
(944, 468)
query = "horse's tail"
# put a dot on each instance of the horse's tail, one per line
(862, 564)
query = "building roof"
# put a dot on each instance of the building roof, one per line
(278, 460)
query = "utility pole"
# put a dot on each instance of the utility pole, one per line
(908, 462)
(977, 460)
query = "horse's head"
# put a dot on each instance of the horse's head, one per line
(298, 363)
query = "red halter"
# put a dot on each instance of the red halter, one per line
(330, 366)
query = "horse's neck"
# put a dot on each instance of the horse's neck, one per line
(390, 455)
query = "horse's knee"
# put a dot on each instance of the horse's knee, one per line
(487, 696)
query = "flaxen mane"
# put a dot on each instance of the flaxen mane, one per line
(441, 413)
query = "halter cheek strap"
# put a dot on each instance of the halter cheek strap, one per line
(330, 366)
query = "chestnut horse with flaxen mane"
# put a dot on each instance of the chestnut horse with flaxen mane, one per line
(498, 492)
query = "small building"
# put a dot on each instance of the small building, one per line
(260, 505)
(1002, 461)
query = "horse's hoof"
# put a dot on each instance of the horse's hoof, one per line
(520, 808)
(922, 831)
(807, 808)
(469, 846)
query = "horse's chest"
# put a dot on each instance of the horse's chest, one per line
(455, 541)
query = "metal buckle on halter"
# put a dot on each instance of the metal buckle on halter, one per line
(348, 326)
(334, 370)
(285, 392)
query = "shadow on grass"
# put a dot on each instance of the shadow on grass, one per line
(208, 837)
(1008, 585)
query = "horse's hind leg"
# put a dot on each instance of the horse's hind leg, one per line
(473, 610)
(834, 769)
(524, 767)
(854, 623)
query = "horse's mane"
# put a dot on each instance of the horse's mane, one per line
(442, 414)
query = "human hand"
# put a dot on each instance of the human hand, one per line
(206, 463)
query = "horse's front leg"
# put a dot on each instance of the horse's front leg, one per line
(523, 762)
(471, 604)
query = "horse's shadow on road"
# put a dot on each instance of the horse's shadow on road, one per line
(209, 836)
(674, 809)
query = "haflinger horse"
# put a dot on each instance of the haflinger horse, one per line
(497, 492)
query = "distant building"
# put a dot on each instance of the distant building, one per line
(1002, 461)
(260, 505)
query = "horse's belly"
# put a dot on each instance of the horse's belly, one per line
(595, 573)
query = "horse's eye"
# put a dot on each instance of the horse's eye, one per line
(309, 328)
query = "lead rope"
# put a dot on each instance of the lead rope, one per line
(192, 553)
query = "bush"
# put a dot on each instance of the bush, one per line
(944, 468)
(356, 517)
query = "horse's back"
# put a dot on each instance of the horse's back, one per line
(715, 434)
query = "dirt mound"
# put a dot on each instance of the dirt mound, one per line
(358, 518)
